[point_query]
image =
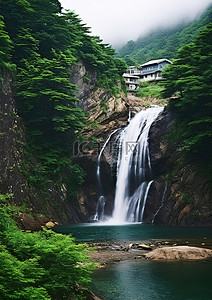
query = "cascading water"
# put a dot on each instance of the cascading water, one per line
(162, 202)
(134, 174)
(99, 215)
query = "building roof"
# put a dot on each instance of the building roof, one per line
(131, 76)
(156, 61)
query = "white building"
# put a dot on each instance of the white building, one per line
(132, 70)
(150, 71)
(132, 81)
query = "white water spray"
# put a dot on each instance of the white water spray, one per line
(134, 174)
(102, 199)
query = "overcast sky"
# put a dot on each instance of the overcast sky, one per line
(117, 21)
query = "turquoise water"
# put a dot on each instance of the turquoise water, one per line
(133, 232)
(148, 280)
(152, 280)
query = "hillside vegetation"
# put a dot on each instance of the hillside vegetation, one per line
(163, 42)
(189, 78)
(40, 265)
(39, 44)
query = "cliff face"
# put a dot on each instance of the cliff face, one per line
(11, 138)
(35, 209)
(180, 194)
(105, 114)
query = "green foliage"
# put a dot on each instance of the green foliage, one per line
(150, 89)
(187, 198)
(5, 47)
(163, 42)
(103, 105)
(86, 77)
(190, 78)
(94, 124)
(43, 43)
(46, 43)
(40, 265)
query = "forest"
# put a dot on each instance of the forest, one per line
(164, 42)
(38, 45)
(189, 78)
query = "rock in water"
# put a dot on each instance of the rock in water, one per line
(179, 252)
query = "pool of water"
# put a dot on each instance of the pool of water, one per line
(152, 280)
(132, 232)
(148, 280)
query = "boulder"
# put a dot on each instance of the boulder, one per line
(50, 224)
(144, 247)
(179, 253)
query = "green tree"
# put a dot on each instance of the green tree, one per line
(40, 265)
(46, 43)
(5, 46)
(150, 89)
(190, 79)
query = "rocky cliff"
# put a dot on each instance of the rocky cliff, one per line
(34, 208)
(105, 114)
(182, 195)
(179, 195)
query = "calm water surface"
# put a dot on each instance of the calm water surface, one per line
(132, 232)
(151, 280)
(148, 280)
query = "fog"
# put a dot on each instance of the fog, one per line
(117, 21)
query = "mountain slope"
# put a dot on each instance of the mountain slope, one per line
(41, 118)
(163, 42)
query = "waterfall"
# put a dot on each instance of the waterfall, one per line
(134, 174)
(162, 202)
(102, 199)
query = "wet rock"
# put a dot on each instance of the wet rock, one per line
(144, 247)
(90, 295)
(131, 246)
(180, 195)
(51, 224)
(179, 253)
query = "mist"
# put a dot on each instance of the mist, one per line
(118, 21)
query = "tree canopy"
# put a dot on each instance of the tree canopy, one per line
(44, 42)
(190, 79)
(40, 265)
